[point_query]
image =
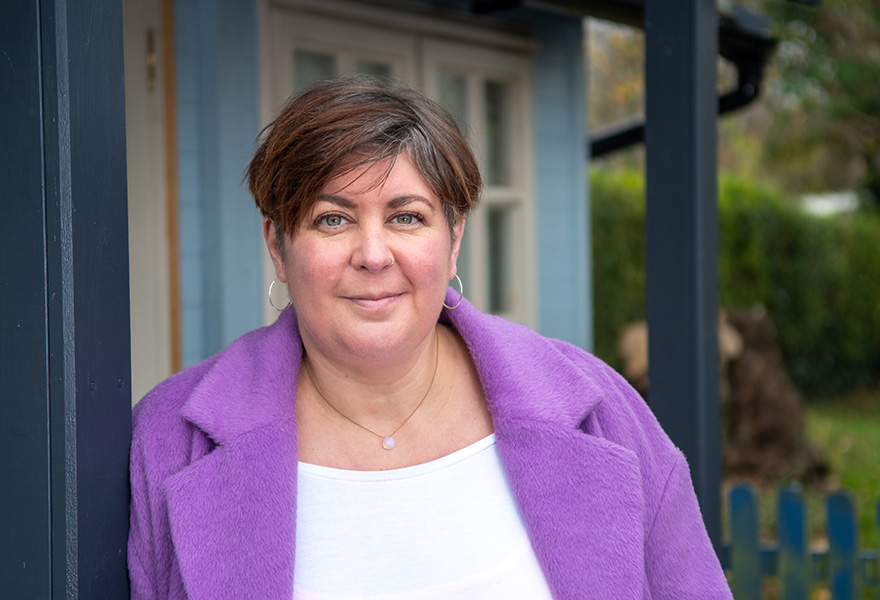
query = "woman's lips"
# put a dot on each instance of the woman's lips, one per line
(377, 302)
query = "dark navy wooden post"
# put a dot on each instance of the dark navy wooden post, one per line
(681, 46)
(25, 532)
(64, 318)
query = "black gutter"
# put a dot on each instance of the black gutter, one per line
(632, 131)
(744, 39)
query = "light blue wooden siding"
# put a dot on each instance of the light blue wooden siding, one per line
(218, 121)
(565, 301)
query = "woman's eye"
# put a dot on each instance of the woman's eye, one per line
(406, 219)
(331, 220)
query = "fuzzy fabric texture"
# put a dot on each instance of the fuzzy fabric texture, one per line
(606, 498)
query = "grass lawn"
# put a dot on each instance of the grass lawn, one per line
(847, 429)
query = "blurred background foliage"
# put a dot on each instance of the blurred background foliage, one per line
(814, 130)
(818, 277)
(822, 106)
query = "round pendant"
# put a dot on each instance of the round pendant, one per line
(388, 443)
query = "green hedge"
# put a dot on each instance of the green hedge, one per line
(819, 278)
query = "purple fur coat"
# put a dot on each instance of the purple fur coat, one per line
(606, 498)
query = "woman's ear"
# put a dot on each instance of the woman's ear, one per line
(457, 233)
(270, 233)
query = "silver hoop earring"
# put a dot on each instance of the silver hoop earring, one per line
(460, 294)
(272, 304)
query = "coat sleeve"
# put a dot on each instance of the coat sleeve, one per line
(680, 562)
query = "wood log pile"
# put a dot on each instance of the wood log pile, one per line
(764, 433)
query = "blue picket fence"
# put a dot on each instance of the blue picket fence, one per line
(844, 569)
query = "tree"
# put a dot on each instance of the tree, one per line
(824, 98)
(616, 82)
(616, 72)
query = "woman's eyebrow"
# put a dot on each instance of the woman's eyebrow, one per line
(394, 203)
(337, 200)
(401, 201)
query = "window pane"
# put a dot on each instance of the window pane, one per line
(497, 109)
(500, 252)
(309, 67)
(374, 68)
(452, 94)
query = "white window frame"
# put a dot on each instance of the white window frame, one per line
(480, 64)
(347, 40)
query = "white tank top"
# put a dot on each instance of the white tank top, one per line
(445, 529)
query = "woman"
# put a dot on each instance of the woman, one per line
(384, 439)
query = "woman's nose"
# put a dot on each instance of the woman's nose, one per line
(371, 251)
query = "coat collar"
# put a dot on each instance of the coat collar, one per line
(232, 512)
(251, 384)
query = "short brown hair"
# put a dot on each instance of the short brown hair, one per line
(310, 141)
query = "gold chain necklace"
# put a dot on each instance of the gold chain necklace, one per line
(387, 440)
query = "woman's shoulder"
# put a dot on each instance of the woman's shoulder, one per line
(159, 427)
(509, 343)
(623, 414)
(162, 404)
(245, 355)
(224, 391)
(565, 379)
(610, 407)
(522, 352)
(161, 436)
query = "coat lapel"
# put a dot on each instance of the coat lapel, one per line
(579, 494)
(232, 511)
(580, 499)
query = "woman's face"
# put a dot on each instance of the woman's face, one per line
(367, 269)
